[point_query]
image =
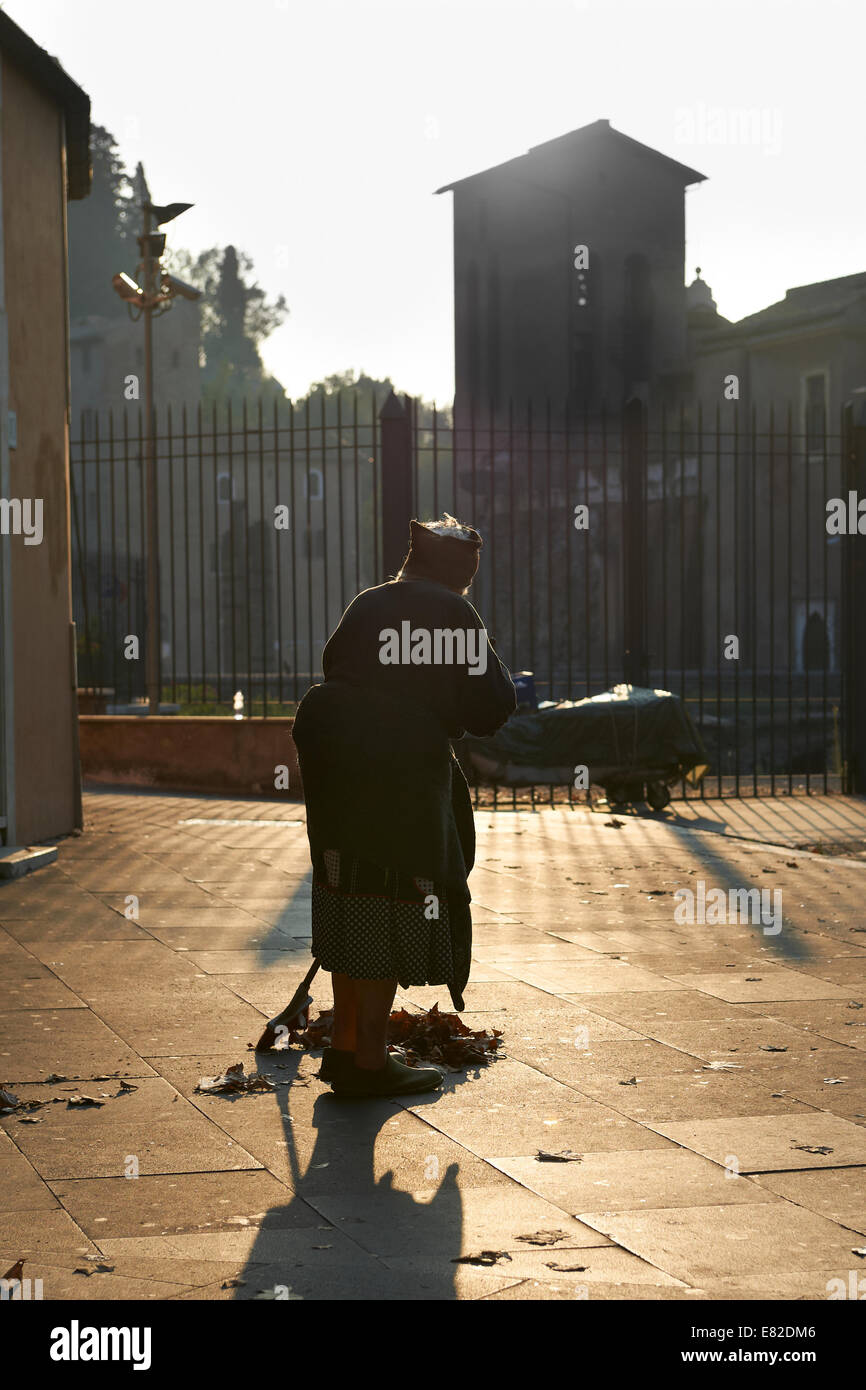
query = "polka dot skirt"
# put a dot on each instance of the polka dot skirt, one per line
(380, 924)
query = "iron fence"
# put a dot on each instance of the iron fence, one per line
(686, 550)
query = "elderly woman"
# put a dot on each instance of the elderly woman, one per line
(389, 817)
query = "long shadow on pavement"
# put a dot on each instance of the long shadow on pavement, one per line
(341, 1232)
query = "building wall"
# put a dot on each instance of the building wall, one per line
(104, 352)
(47, 796)
(517, 320)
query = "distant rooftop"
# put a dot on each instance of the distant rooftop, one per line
(804, 305)
(599, 134)
(824, 296)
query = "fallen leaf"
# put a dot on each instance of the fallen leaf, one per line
(83, 1101)
(543, 1237)
(563, 1156)
(632, 1081)
(566, 1269)
(812, 1148)
(485, 1257)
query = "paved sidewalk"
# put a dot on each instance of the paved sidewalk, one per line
(708, 1081)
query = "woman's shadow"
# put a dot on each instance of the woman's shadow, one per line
(347, 1233)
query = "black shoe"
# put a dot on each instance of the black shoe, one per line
(393, 1079)
(335, 1061)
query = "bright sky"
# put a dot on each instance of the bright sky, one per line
(312, 134)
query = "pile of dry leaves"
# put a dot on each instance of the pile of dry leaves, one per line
(234, 1081)
(425, 1037)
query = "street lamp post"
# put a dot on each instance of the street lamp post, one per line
(152, 298)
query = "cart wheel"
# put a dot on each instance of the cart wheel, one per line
(658, 795)
(615, 794)
(625, 793)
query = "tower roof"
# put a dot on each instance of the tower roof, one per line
(599, 134)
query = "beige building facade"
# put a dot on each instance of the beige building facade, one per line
(44, 160)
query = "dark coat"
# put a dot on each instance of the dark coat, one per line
(381, 781)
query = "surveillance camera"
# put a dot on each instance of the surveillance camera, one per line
(176, 286)
(126, 287)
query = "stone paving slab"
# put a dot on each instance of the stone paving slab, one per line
(768, 984)
(105, 965)
(22, 1187)
(848, 971)
(36, 1044)
(640, 1009)
(362, 1278)
(452, 1222)
(837, 1193)
(322, 1252)
(842, 1021)
(124, 872)
(276, 889)
(49, 1233)
(642, 1058)
(87, 919)
(631, 1180)
(224, 929)
(602, 976)
(29, 985)
(556, 1266)
(192, 1014)
(700, 1093)
(762, 1143)
(572, 1122)
(109, 1207)
(152, 1125)
(697, 1244)
(744, 1040)
(539, 1290)
(283, 959)
(90, 1282)
(841, 1090)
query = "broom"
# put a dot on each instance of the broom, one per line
(293, 1016)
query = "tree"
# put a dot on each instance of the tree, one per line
(236, 318)
(372, 393)
(102, 231)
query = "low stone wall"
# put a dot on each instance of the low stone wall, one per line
(203, 754)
